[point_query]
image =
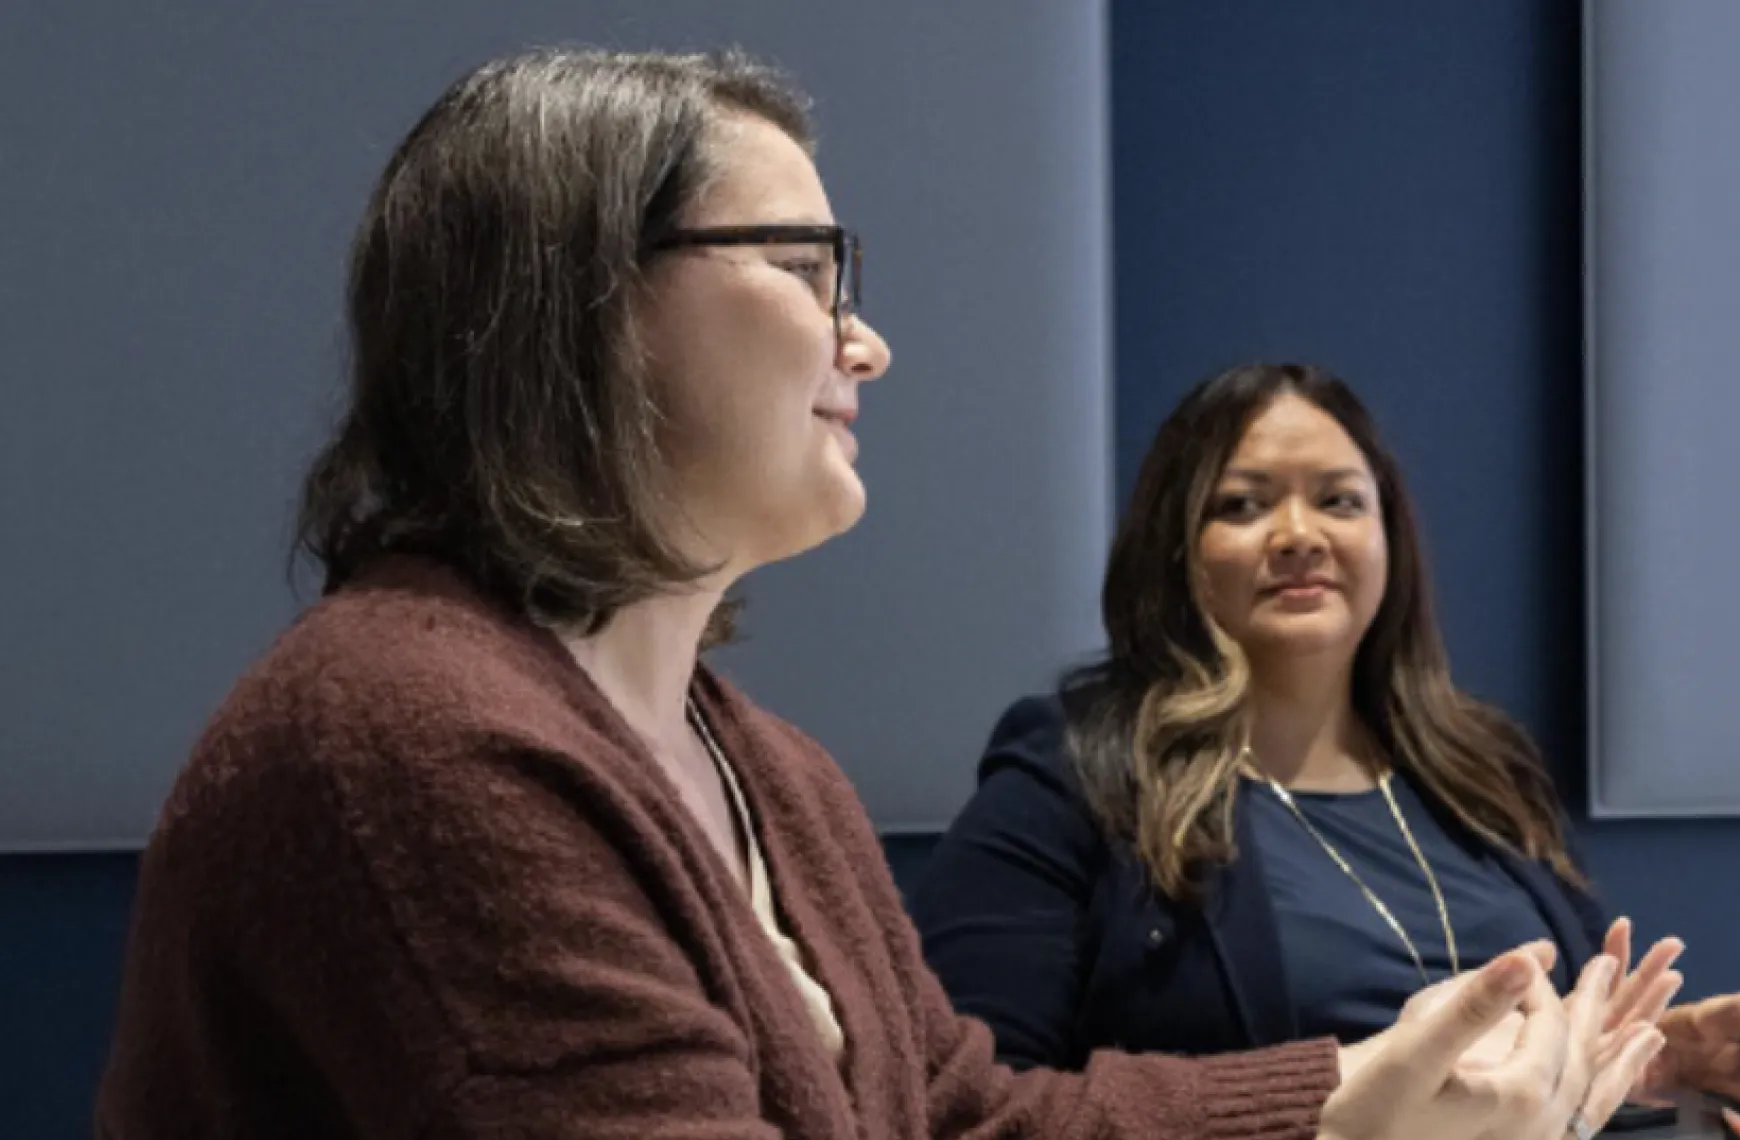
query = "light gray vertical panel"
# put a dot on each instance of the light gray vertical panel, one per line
(1663, 332)
(179, 188)
(988, 456)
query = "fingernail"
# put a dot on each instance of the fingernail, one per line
(1513, 975)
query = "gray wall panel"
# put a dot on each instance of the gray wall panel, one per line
(179, 186)
(1663, 329)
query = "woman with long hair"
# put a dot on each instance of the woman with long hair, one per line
(1268, 812)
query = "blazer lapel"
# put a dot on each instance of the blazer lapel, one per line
(1241, 922)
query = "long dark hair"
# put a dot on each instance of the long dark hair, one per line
(1158, 726)
(500, 417)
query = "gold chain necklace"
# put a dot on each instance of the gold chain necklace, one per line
(1377, 904)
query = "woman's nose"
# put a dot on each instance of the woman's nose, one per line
(1295, 534)
(864, 355)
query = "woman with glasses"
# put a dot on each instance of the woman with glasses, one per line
(480, 848)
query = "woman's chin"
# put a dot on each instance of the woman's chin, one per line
(836, 510)
(846, 503)
(1303, 635)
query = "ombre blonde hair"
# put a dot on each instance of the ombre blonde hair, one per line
(1158, 728)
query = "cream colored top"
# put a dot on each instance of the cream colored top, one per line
(816, 999)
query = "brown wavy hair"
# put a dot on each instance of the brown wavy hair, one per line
(500, 416)
(1157, 727)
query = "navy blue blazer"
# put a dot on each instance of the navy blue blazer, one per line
(1054, 936)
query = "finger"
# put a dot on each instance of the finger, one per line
(1618, 943)
(1651, 1005)
(1427, 1048)
(1655, 1001)
(1632, 990)
(1611, 1084)
(1662, 1077)
(1545, 952)
(1545, 1065)
(1494, 1047)
(1588, 1002)
(1732, 1120)
(1586, 1010)
(1429, 997)
(1645, 1001)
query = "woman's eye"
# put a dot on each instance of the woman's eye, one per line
(1236, 507)
(1346, 502)
(809, 272)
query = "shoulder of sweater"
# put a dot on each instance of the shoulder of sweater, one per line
(408, 667)
(416, 646)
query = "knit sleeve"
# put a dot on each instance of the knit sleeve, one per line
(477, 945)
(1271, 1094)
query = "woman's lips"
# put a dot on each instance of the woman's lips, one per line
(840, 424)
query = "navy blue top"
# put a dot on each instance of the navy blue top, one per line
(1348, 972)
(1056, 937)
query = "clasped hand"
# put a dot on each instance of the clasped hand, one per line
(1497, 1054)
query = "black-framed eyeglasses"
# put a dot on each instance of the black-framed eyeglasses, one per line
(847, 253)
